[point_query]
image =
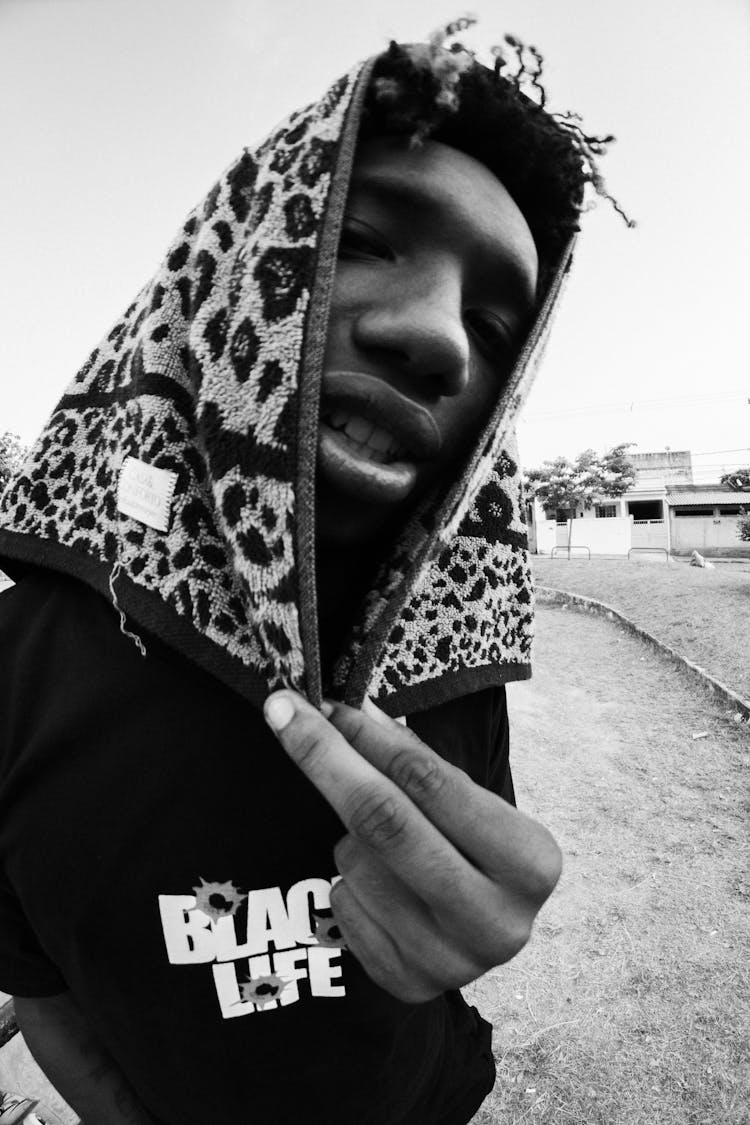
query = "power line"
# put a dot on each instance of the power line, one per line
(716, 465)
(712, 452)
(652, 403)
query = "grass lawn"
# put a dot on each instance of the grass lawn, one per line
(631, 1003)
(704, 614)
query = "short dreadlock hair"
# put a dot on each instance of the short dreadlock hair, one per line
(544, 160)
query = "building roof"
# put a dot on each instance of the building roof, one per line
(695, 497)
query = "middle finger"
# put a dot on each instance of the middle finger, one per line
(500, 841)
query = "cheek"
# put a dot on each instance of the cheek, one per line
(341, 314)
(463, 418)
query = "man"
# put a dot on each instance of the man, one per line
(290, 469)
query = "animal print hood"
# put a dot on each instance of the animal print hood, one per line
(176, 475)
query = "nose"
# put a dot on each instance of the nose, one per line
(419, 329)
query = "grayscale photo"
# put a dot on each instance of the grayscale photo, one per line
(374, 563)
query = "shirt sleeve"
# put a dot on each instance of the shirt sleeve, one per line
(500, 780)
(25, 970)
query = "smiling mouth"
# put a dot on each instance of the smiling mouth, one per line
(372, 438)
(355, 466)
(363, 438)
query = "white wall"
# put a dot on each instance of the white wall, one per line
(610, 536)
(707, 534)
(650, 533)
(546, 536)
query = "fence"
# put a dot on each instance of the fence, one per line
(650, 533)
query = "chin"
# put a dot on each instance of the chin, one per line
(342, 533)
(344, 521)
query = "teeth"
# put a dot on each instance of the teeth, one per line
(382, 441)
(370, 454)
(358, 429)
(366, 451)
(376, 444)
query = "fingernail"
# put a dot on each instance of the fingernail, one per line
(326, 709)
(279, 711)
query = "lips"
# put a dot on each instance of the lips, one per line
(368, 397)
(372, 437)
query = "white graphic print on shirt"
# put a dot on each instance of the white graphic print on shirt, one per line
(290, 945)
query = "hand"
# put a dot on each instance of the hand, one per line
(441, 879)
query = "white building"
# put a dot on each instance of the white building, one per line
(664, 510)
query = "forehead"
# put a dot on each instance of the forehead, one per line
(456, 199)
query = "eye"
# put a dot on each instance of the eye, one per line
(359, 241)
(495, 340)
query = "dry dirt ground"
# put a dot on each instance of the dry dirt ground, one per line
(704, 614)
(630, 1004)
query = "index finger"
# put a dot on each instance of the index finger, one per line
(372, 807)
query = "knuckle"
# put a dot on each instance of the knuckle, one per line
(516, 936)
(309, 745)
(511, 936)
(385, 966)
(412, 992)
(501, 933)
(380, 958)
(418, 773)
(376, 818)
(449, 965)
(388, 969)
(545, 871)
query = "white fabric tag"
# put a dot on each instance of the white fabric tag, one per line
(145, 493)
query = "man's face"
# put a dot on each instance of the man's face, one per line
(433, 295)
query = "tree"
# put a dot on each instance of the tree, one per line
(743, 525)
(571, 485)
(738, 480)
(12, 454)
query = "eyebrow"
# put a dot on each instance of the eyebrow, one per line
(414, 195)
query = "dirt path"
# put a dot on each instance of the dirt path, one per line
(628, 1006)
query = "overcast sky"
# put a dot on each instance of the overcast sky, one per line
(119, 114)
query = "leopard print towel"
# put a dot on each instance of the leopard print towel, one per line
(176, 474)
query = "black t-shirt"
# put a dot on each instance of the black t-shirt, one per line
(162, 858)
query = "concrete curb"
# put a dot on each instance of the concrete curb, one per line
(547, 596)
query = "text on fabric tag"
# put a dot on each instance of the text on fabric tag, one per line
(145, 493)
